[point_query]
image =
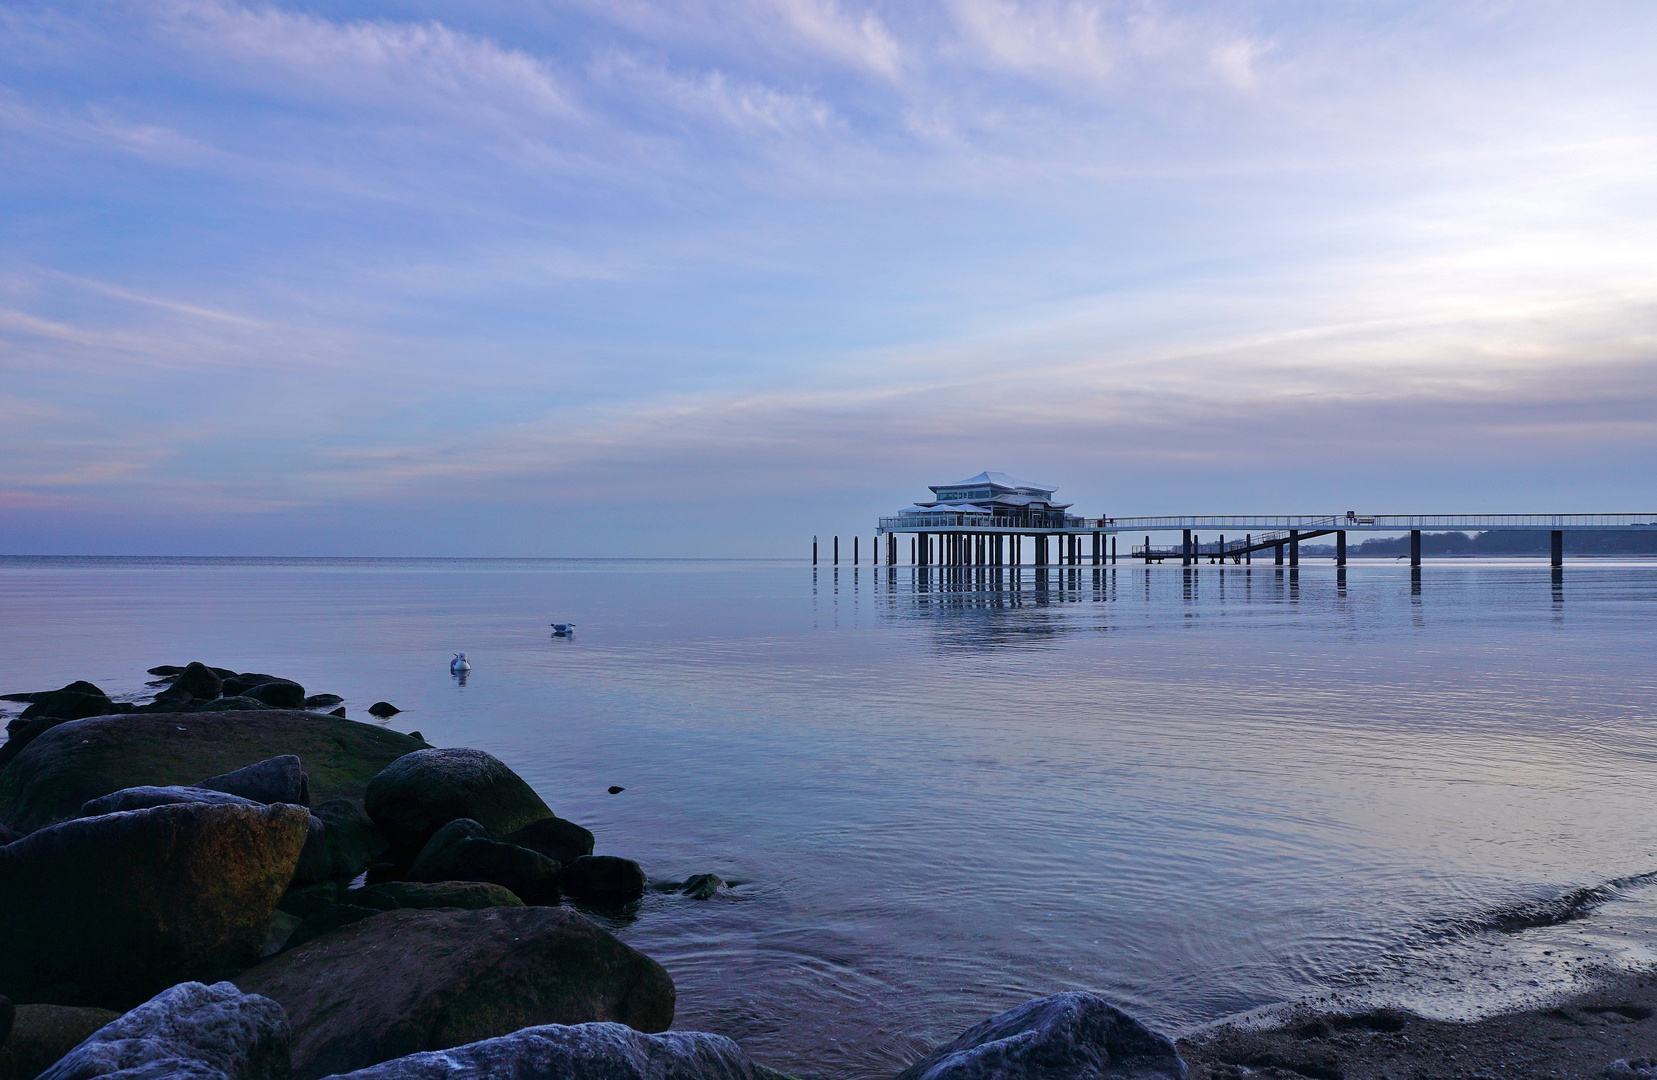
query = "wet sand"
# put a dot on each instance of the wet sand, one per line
(1581, 1037)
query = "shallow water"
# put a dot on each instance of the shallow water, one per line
(1198, 793)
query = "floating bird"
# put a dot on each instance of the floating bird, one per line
(616, 789)
(563, 629)
(459, 665)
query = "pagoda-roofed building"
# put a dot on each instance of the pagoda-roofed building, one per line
(1007, 503)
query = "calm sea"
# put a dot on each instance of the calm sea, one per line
(1198, 793)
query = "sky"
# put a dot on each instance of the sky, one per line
(710, 277)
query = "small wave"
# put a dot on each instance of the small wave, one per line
(1512, 917)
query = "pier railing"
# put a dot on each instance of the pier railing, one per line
(947, 520)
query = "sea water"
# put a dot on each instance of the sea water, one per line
(1198, 792)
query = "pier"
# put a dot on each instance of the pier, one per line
(987, 519)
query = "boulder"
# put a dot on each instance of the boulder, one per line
(274, 780)
(305, 900)
(240, 684)
(579, 1052)
(1069, 1036)
(531, 875)
(165, 670)
(169, 700)
(79, 686)
(559, 840)
(421, 792)
(142, 798)
(603, 880)
(84, 759)
(702, 886)
(323, 701)
(343, 842)
(340, 712)
(8, 835)
(108, 910)
(199, 681)
(407, 981)
(383, 709)
(8, 1013)
(470, 895)
(67, 705)
(227, 704)
(444, 843)
(327, 919)
(41, 1034)
(282, 926)
(278, 694)
(188, 1032)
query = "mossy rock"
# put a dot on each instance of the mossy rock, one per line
(85, 759)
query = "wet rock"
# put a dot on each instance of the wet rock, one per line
(8, 1013)
(228, 704)
(306, 900)
(338, 712)
(199, 681)
(421, 792)
(531, 875)
(580, 1052)
(282, 926)
(469, 895)
(702, 886)
(25, 732)
(445, 842)
(616, 789)
(407, 981)
(165, 670)
(603, 880)
(191, 1032)
(68, 704)
(342, 844)
(79, 686)
(1069, 1036)
(278, 694)
(383, 709)
(108, 910)
(559, 840)
(327, 920)
(42, 1034)
(241, 684)
(85, 759)
(274, 780)
(322, 701)
(142, 798)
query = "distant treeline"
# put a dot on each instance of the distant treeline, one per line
(1610, 542)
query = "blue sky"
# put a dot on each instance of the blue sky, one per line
(627, 277)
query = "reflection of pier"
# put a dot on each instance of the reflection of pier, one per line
(984, 521)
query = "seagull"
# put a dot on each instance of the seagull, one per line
(459, 666)
(563, 629)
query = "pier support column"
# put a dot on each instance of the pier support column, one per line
(1277, 554)
(1222, 549)
(1248, 542)
(1185, 550)
(1294, 547)
(1340, 548)
(836, 551)
(813, 551)
(922, 542)
(1415, 547)
(855, 539)
(1557, 547)
(1113, 549)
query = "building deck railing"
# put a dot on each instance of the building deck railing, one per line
(1276, 523)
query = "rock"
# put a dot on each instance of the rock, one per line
(383, 709)
(67, 705)
(470, 895)
(79, 686)
(228, 704)
(8, 1013)
(108, 910)
(603, 880)
(417, 735)
(322, 701)
(445, 841)
(616, 789)
(702, 886)
(199, 681)
(559, 840)
(165, 670)
(1069, 1036)
(240, 684)
(531, 875)
(282, 926)
(338, 712)
(306, 900)
(189, 1032)
(170, 701)
(278, 694)
(579, 1052)
(406, 981)
(84, 759)
(421, 792)
(8, 835)
(142, 798)
(24, 733)
(42, 1034)
(274, 780)
(328, 919)
(342, 844)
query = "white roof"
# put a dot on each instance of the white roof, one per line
(999, 479)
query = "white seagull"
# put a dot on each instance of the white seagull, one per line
(459, 665)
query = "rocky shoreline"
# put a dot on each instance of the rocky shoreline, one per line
(236, 880)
